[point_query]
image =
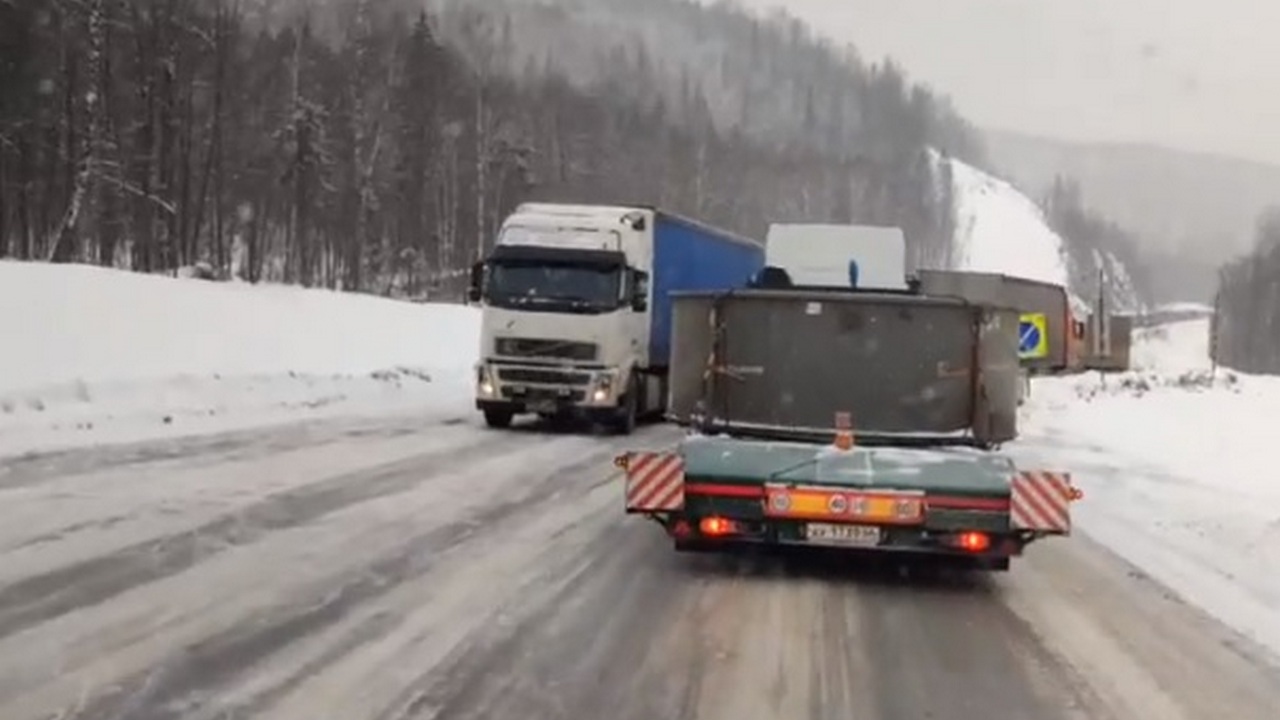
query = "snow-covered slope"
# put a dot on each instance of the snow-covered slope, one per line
(1185, 307)
(1173, 349)
(1177, 463)
(999, 229)
(92, 355)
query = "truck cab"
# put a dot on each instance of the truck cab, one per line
(565, 320)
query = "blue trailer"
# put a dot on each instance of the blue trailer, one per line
(577, 311)
(689, 256)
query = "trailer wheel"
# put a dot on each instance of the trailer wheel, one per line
(498, 418)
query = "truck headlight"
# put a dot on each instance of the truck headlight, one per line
(603, 387)
(484, 381)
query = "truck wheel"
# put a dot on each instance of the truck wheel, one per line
(498, 418)
(626, 422)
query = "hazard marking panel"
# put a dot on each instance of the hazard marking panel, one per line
(655, 482)
(1041, 501)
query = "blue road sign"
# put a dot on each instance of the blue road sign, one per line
(1028, 337)
(1032, 338)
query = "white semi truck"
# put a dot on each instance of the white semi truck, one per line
(576, 308)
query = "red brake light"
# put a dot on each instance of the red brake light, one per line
(974, 541)
(715, 526)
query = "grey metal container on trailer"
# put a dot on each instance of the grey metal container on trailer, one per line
(1027, 296)
(897, 363)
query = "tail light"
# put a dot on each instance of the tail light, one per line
(973, 541)
(717, 526)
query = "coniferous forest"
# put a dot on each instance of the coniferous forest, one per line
(375, 146)
(1247, 312)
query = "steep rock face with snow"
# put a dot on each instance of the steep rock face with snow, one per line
(999, 229)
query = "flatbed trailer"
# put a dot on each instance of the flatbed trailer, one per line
(976, 507)
(933, 383)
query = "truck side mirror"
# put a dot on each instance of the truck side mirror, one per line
(477, 282)
(640, 292)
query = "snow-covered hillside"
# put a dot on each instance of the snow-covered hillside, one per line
(1185, 307)
(1177, 466)
(92, 355)
(999, 229)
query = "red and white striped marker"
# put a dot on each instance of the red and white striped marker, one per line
(1041, 501)
(655, 482)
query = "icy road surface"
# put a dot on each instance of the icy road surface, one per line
(380, 571)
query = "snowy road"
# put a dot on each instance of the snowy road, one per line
(388, 570)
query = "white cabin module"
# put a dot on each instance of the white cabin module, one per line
(830, 255)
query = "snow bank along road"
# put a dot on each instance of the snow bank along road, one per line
(382, 570)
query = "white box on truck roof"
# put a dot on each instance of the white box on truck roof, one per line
(830, 255)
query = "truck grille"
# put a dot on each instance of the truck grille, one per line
(545, 377)
(544, 348)
(543, 394)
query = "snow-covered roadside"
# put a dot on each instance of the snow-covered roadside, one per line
(91, 356)
(1178, 467)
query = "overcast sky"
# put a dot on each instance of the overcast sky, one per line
(1193, 74)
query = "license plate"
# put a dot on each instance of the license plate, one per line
(833, 534)
(542, 406)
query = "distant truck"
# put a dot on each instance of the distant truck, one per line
(576, 317)
(859, 420)
(1051, 338)
(1108, 342)
(862, 256)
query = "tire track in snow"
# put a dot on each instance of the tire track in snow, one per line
(67, 531)
(34, 468)
(43, 597)
(508, 666)
(189, 683)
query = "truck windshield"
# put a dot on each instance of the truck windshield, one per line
(554, 286)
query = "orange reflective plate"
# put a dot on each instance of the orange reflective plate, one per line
(876, 507)
(809, 504)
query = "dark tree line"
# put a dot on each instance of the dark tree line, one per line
(1247, 307)
(772, 77)
(1099, 250)
(364, 146)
